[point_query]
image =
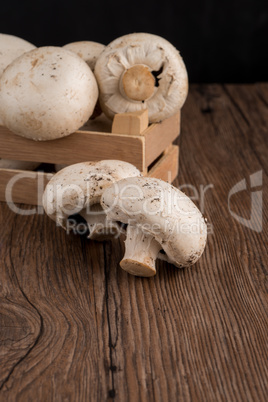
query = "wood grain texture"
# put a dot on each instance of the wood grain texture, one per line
(159, 136)
(78, 147)
(23, 186)
(76, 327)
(133, 123)
(167, 167)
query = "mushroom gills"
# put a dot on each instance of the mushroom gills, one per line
(156, 75)
(141, 251)
(99, 227)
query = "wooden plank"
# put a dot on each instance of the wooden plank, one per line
(251, 105)
(78, 147)
(134, 123)
(167, 167)
(159, 136)
(22, 186)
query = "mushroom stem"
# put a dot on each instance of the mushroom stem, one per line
(141, 251)
(99, 228)
(138, 83)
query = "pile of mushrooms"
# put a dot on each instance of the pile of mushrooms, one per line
(47, 92)
(158, 220)
(50, 92)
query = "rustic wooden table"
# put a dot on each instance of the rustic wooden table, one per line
(76, 327)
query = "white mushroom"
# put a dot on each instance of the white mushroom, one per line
(47, 93)
(77, 189)
(159, 217)
(89, 51)
(139, 71)
(12, 47)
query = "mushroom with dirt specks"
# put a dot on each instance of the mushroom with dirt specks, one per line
(77, 189)
(89, 51)
(159, 217)
(47, 93)
(12, 47)
(139, 71)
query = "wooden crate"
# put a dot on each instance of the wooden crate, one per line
(128, 138)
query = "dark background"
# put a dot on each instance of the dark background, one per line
(220, 41)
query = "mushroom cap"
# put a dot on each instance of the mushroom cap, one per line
(162, 211)
(79, 186)
(47, 93)
(127, 62)
(89, 51)
(12, 47)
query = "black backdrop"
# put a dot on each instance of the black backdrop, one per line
(220, 41)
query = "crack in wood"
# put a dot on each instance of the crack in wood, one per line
(111, 392)
(38, 313)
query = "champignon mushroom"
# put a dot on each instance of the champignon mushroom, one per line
(159, 217)
(11, 47)
(87, 50)
(47, 93)
(139, 71)
(78, 188)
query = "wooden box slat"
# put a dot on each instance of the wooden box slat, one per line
(78, 147)
(27, 187)
(167, 167)
(88, 145)
(159, 136)
(23, 186)
(151, 151)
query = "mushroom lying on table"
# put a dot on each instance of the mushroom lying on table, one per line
(47, 93)
(77, 189)
(139, 71)
(160, 218)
